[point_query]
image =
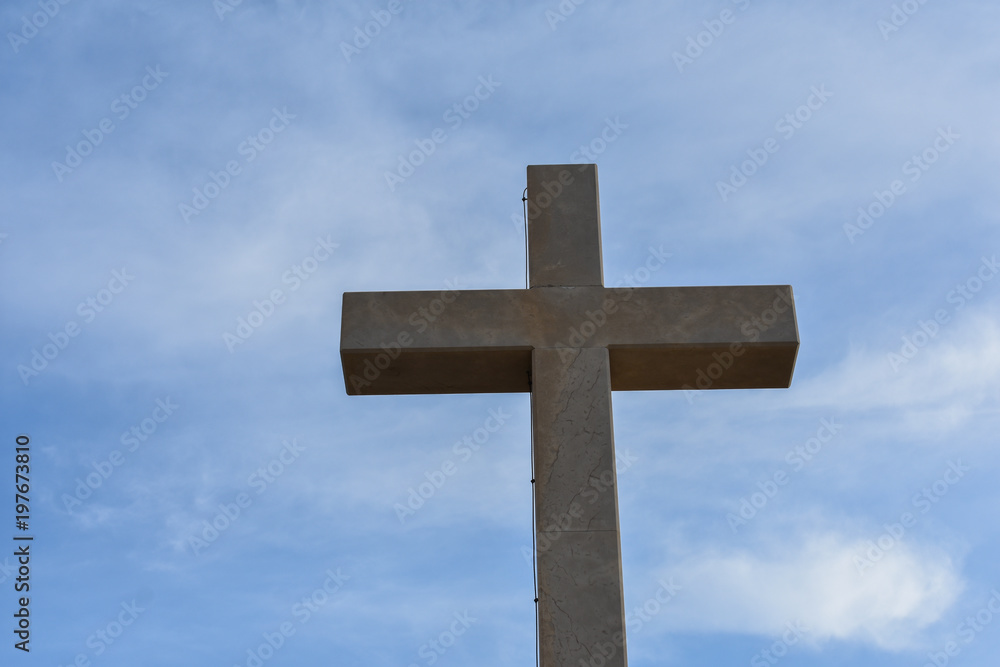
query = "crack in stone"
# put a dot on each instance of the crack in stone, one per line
(590, 475)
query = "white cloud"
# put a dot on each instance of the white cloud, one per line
(818, 585)
(938, 387)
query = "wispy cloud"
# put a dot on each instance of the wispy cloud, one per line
(815, 582)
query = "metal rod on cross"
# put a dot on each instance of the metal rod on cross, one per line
(570, 342)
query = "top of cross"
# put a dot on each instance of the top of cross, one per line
(480, 341)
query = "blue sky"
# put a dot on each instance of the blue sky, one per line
(173, 168)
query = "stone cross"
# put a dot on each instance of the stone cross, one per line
(570, 342)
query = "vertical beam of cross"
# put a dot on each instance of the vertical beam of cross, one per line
(581, 605)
